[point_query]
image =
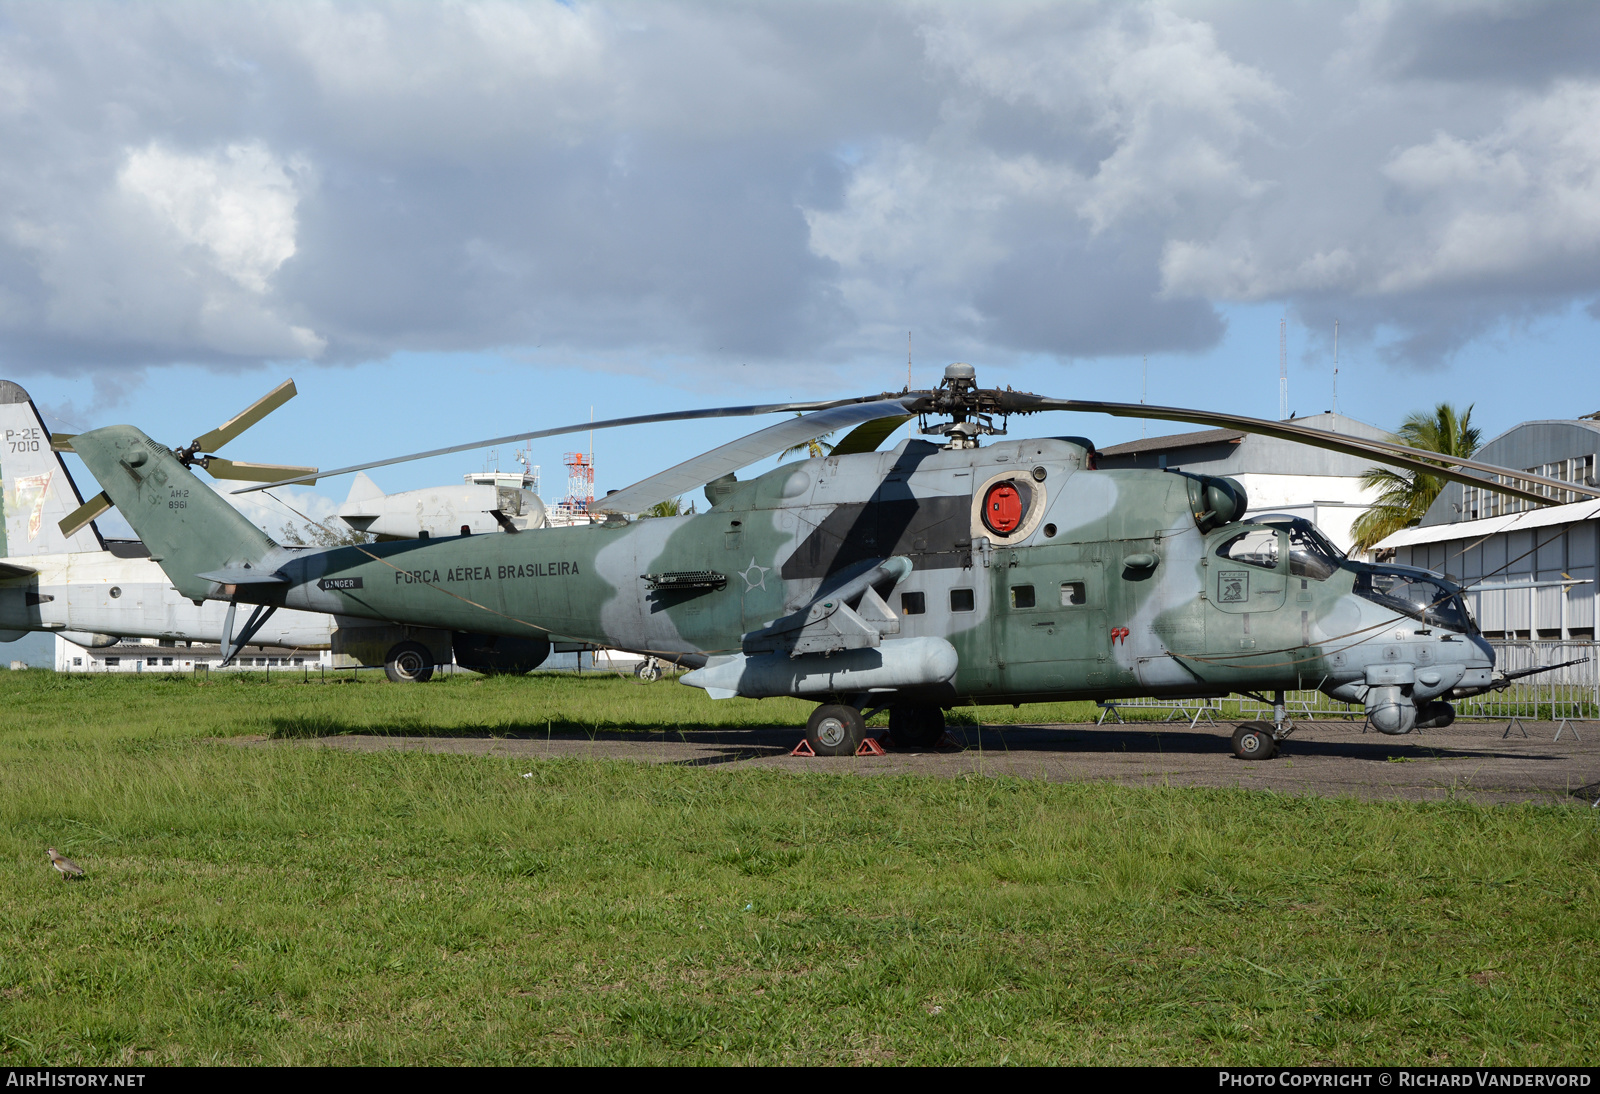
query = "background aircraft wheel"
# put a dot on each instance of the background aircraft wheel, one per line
(1253, 741)
(409, 663)
(916, 726)
(836, 730)
(648, 670)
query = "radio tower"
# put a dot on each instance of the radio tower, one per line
(1283, 370)
(580, 482)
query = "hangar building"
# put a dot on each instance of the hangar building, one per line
(1279, 476)
(1530, 569)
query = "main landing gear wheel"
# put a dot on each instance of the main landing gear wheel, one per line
(836, 730)
(1254, 741)
(409, 663)
(916, 726)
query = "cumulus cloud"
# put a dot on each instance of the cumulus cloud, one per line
(228, 184)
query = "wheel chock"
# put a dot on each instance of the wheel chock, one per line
(870, 747)
(803, 749)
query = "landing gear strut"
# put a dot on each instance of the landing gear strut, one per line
(1260, 740)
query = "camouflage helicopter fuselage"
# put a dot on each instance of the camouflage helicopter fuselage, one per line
(876, 578)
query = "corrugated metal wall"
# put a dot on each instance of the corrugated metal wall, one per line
(1522, 581)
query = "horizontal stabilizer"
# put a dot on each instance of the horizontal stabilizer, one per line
(10, 569)
(239, 575)
(61, 442)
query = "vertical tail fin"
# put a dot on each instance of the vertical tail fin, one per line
(189, 529)
(36, 490)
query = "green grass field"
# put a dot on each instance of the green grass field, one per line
(303, 905)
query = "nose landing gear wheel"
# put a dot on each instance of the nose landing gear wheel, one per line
(835, 730)
(1254, 741)
(649, 670)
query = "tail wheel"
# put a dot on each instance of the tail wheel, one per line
(409, 663)
(1254, 741)
(916, 726)
(836, 730)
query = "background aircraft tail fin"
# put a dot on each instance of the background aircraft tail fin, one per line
(36, 490)
(187, 526)
(363, 489)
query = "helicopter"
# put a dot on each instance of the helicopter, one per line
(961, 566)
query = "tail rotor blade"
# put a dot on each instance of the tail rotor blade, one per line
(219, 468)
(249, 416)
(83, 514)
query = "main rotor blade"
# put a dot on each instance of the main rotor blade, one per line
(249, 416)
(743, 452)
(219, 468)
(1399, 455)
(611, 423)
(867, 437)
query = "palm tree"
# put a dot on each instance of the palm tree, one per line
(672, 507)
(1404, 496)
(815, 447)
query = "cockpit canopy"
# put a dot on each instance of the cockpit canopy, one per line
(1415, 593)
(1310, 552)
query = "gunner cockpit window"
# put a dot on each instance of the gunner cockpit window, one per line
(1256, 547)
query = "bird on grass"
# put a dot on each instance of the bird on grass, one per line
(65, 866)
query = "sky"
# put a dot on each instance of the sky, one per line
(455, 221)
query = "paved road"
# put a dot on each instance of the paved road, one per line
(1336, 759)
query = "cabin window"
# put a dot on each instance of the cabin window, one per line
(1257, 547)
(1073, 592)
(1022, 596)
(913, 603)
(961, 600)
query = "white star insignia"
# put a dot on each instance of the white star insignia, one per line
(760, 581)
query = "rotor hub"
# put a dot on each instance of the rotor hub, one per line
(972, 410)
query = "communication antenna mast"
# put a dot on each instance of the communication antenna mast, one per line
(1144, 387)
(1336, 366)
(1283, 370)
(908, 360)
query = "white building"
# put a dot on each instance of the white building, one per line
(1279, 476)
(155, 655)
